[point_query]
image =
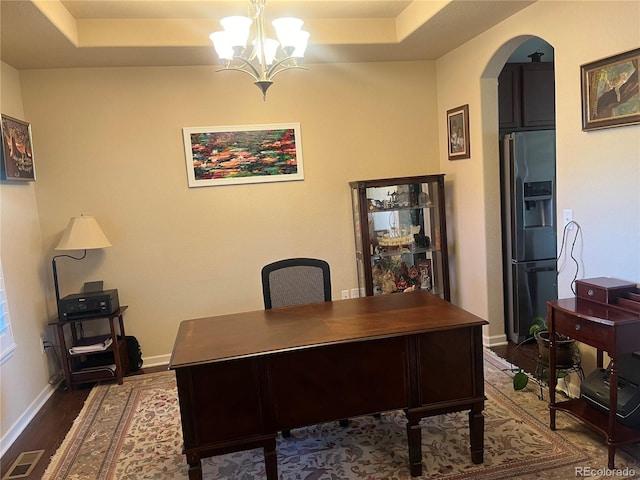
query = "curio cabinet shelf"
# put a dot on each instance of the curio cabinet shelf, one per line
(401, 235)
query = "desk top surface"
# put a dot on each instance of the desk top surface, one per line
(261, 332)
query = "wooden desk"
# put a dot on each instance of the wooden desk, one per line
(607, 329)
(244, 377)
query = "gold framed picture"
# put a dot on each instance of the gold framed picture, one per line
(610, 91)
(458, 133)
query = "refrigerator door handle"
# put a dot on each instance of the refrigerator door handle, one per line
(519, 237)
(540, 269)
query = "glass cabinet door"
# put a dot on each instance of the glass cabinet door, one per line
(400, 235)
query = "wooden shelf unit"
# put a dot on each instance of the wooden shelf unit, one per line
(90, 367)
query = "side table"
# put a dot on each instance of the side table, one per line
(608, 329)
(82, 367)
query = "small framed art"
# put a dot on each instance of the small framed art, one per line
(458, 133)
(17, 150)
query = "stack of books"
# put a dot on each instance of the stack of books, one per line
(91, 345)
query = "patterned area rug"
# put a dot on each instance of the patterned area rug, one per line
(132, 431)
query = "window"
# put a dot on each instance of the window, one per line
(7, 345)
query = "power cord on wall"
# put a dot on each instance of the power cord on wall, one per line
(58, 376)
(565, 237)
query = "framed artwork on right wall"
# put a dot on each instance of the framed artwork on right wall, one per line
(610, 91)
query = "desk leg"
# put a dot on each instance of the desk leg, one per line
(553, 379)
(65, 358)
(476, 433)
(414, 438)
(613, 410)
(195, 466)
(116, 350)
(271, 460)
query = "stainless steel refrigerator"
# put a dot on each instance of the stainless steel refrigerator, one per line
(529, 228)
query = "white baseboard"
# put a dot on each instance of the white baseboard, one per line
(23, 421)
(32, 410)
(156, 361)
(494, 340)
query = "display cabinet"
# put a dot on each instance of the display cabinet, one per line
(91, 359)
(401, 235)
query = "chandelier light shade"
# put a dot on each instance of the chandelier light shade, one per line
(265, 57)
(82, 233)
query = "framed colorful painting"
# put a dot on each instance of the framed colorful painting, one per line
(240, 154)
(458, 133)
(17, 150)
(610, 91)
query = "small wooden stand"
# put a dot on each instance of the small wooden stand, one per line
(76, 369)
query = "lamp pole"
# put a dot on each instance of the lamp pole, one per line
(55, 271)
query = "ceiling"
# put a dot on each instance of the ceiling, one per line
(108, 33)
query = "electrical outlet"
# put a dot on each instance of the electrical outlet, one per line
(355, 293)
(42, 345)
(568, 218)
(345, 294)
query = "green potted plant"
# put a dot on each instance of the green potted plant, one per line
(565, 346)
(566, 352)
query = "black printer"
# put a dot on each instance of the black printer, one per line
(88, 304)
(595, 389)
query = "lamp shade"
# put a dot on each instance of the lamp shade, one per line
(221, 43)
(238, 29)
(287, 29)
(83, 233)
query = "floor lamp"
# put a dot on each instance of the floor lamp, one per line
(82, 233)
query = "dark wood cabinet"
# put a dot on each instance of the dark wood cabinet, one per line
(526, 96)
(401, 235)
(509, 102)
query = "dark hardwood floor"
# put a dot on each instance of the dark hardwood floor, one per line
(524, 355)
(50, 426)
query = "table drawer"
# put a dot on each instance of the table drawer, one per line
(603, 289)
(592, 333)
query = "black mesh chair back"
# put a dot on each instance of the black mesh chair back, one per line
(296, 281)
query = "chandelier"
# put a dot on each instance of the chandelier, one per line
(265, 57)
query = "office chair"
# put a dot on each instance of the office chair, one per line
(296, 281)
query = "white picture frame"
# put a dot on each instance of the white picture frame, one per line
(243, 154)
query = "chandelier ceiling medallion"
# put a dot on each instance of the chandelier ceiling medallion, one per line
(265, 57)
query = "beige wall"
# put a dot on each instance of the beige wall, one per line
(24, 375)
(110, 145)
(598, 173)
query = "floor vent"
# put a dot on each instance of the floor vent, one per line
(23, 466)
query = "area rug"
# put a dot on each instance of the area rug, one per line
(132, 431)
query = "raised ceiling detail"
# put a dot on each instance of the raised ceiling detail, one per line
(106, 33)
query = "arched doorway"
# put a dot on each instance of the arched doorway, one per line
(526, 105)
(494, 259)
